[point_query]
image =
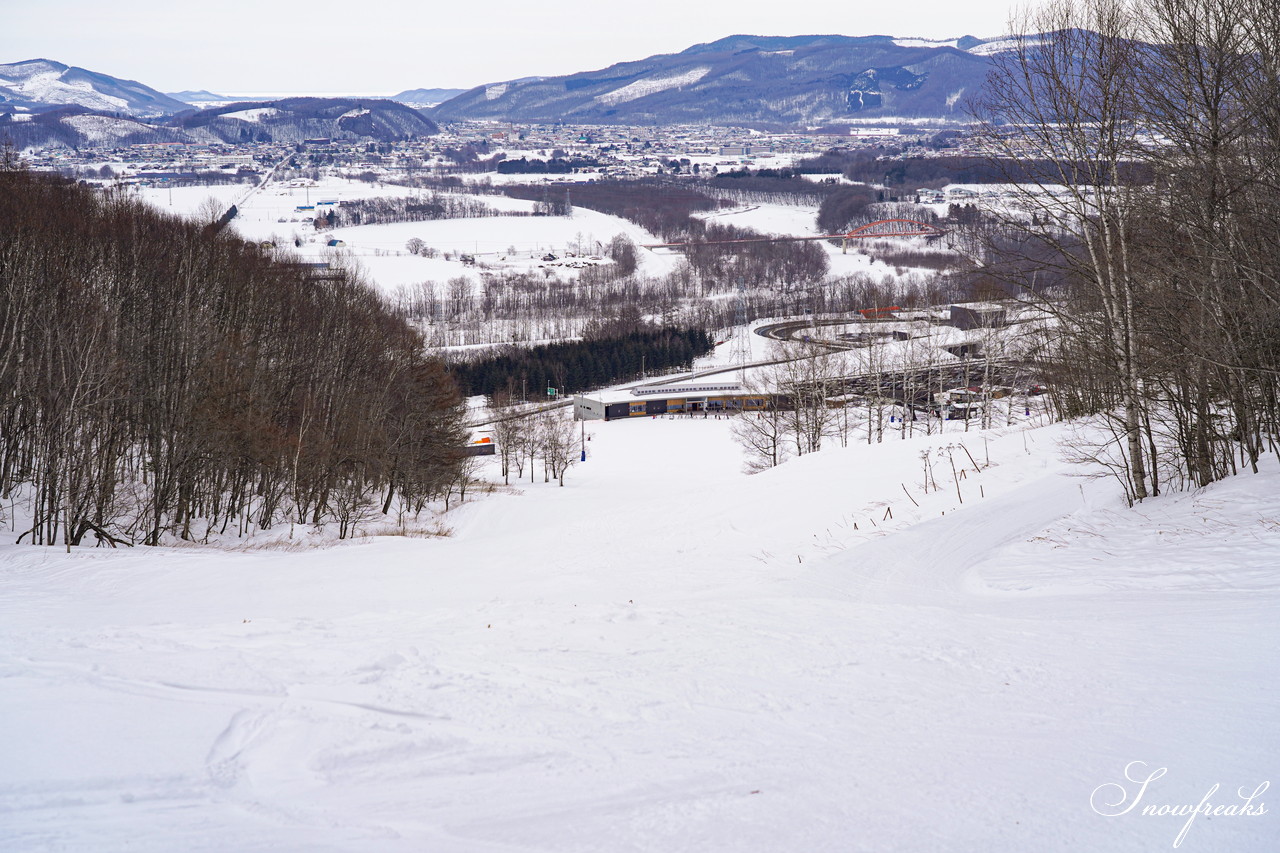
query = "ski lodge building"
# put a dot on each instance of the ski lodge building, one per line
(707, 396)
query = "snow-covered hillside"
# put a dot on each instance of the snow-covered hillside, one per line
(668, 655)
(648, 86)
(43, 82)
(104, 130)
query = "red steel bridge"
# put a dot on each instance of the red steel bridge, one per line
(872, 230)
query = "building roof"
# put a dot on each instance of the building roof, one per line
(691, 388)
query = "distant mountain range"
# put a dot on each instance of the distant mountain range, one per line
(47, 103)
(288, 120)
(743, 79)
(198, 97)
(749, 80)
(426, 97)
(39, 84)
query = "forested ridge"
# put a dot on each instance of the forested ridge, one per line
(159, 380)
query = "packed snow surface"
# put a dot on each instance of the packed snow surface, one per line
(668, 655)
(652, 85)
(915, 42)
(253, 114)
(1006, 44)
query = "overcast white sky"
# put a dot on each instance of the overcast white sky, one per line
(386, 46)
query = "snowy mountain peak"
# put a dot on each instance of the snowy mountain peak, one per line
(43, 83)
(31, 67)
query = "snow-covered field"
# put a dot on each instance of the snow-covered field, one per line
(497, 242)
(516, 243)
(500, 242)
(186, 201)
(667, 655)
(801, 221)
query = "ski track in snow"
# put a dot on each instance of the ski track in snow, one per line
(664, 655)
(652, 85)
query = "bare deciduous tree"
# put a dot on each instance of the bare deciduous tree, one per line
(1157, 125)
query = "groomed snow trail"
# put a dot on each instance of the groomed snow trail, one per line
(665, 655)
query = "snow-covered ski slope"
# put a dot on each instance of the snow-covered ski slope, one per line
(667, 655)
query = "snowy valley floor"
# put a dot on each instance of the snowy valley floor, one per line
(666, 655)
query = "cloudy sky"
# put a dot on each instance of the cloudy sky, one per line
(386, 46)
